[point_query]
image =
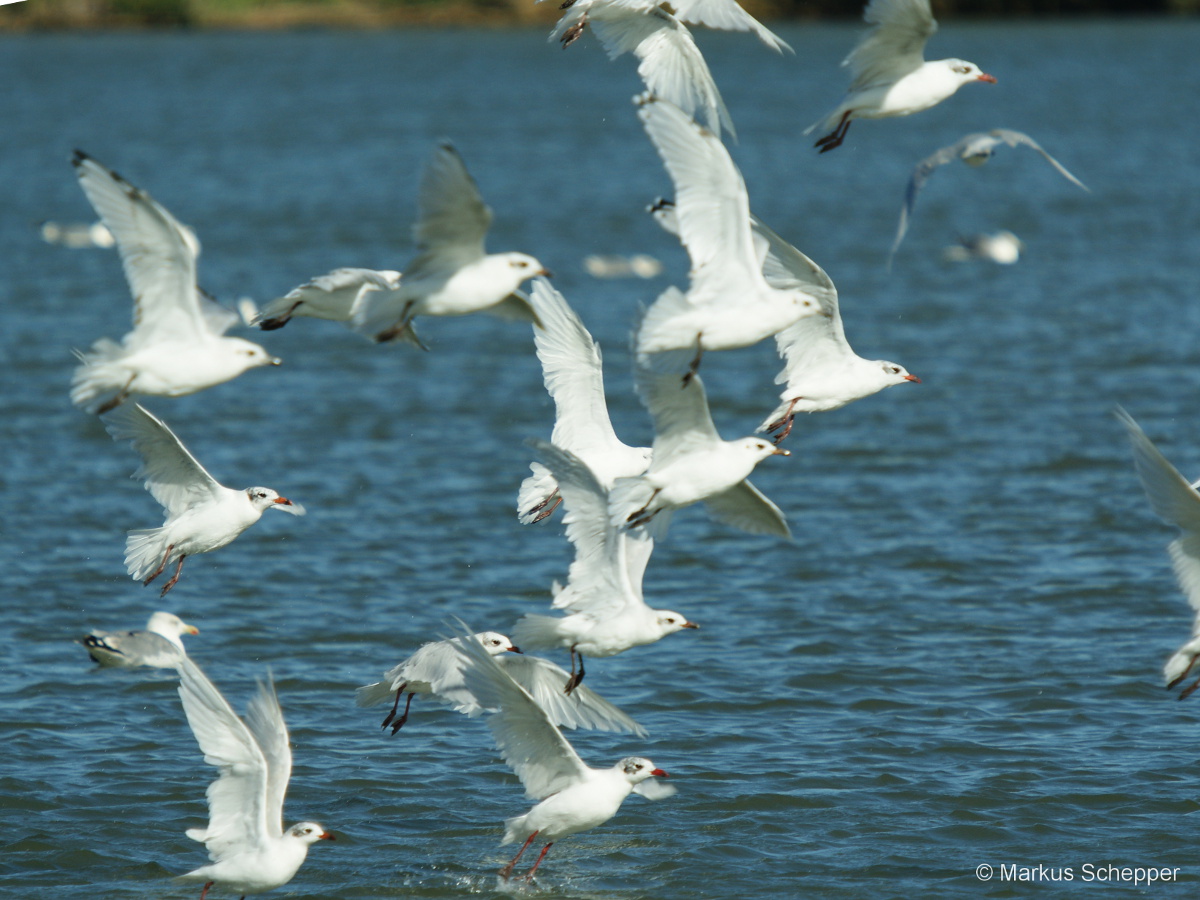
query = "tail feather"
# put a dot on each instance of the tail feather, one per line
(99, 377)
(373, 694)
(143, 552)
(537, 631)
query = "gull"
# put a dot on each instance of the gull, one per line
(574, 378)
(452, 275)
(436, 669)
(974, 149)
(574, 796)
(250, 851)
(77, 235)
(693, 464)
(158, 646)
(728, 303)
(1176, 502)
(1001, 247)
(670, 63)
(606, 613)
(889, 75)
(821, 372)
(202, 514)
(177, 345)
(333, 296)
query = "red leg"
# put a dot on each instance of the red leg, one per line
(399, 723)
(541, 856)
(174, 578)
(542, 510)
(162, 565)
(785, 422)
(507, 870)
(207, 885)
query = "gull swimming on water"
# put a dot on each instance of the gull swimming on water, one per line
(250, 851)
(606, 613)
(573, 796)
(452, 275)
(889, 75)
(177, 345)
(202, 514)
(974, 149)
(158, 646)
(1177, 502)
(436, 669)
(728, 303)
(333, 296)
(574, 377)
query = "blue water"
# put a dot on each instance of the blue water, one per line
(956, 662)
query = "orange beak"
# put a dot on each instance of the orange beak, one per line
(660, 773)
(327, 836)
(284, 500)
(990, 79)
(192, 629)
(513, 650)
(912, 378)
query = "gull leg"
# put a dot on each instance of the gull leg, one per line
(835, 137)
(207, 885)
(571, 35)
(576, 678)
(695, 364)
(542, 510)
(1183, 675)
(541, 856)
(120, 398)
(641, 516)
(399, 723)
(174, 578)
(162, 565)
(395, 706)
(785, 422)
(1189, 691)
(507, 870)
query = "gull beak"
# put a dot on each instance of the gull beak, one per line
(287, 506)
(912, 378)
(689, 625)
(545, 273)
(512, 649)
(779, 451)
(660, 773)
(327, 836)
(990, 79)
(284, 500)
(192, 629)
(275, 361)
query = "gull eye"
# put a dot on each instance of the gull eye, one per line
(962, 70)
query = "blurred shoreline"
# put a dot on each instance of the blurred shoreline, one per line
(38, 15)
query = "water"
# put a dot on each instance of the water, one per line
(957, 660)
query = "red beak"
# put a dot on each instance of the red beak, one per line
(660, 773)
(327, 836)
(284, 500)
(912, 378)
(990, 79)
(513, 650)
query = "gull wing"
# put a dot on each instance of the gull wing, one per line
(217, 319)
(528, 741)
(582, 708)
(1175, 501)
(920, 175)
(895, 46)
(157, 252)
(1017, 139)
(264, 718)
(744, 506)
(239, 810)
(134, 648)
(727, 15)
(172, 475)
(671, 65)
(712, 208)
(682, 420)
(452, 219)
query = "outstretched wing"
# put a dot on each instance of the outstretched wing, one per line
(264, 718)
(920, 175)
(452, 218)
(238, 805)
(1017, 138)
(727, 15)
(172, 475)
(744, 506)
(895, 46)
(157, 252)
(682, 420)
(582, 708)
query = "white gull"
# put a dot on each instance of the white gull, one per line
(334, 296)
(158, 646)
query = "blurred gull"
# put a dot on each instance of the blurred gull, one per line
(974, 149)
(574, 797)
(888, 72)
(202, 514)
(77, 235)
(452, 275)
(250, 851)
(177, 345)
(606, 613)
(821, 372)
(158, 646)
(436, 670)
(728, 303)
(335, 296)
(574, 377)
(1176, 502)
(639, 265)
(1001, 247)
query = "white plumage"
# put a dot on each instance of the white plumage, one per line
(336, 296)
(159, 646)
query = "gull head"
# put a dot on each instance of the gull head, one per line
(170, 626)
(495, 643)
(525, 266)
(250, 355)
(262, 498)
(894, 373)
(637, 769)
(967, 71)
(670, 622)
(309, 833)
(760, 449)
